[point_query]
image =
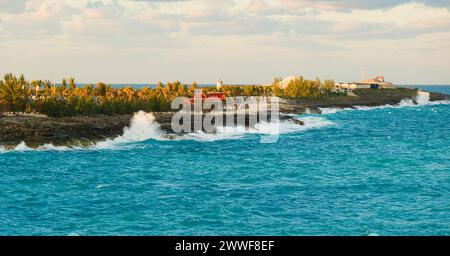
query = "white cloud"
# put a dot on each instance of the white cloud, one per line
(168, 31)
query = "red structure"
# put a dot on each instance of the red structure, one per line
(211, 95)
(217, 95)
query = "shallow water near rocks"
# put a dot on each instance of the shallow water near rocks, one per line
(382, 171)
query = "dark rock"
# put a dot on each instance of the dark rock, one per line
(38, 130)
(299, 122)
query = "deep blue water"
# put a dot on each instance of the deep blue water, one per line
(383, 171)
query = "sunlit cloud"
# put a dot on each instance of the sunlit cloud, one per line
(171, 31)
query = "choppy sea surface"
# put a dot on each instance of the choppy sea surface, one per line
(368, 171)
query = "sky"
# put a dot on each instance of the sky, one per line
(239, 41)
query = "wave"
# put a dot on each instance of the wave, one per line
(22, 147)
(422, 99)
(144, 127)
(273, 128)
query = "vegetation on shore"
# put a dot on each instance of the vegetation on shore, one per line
(303, 88)
(67, 99)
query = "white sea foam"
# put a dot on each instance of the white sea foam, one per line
(330, 111)
(51, 147)
(422, 99)
(144, 127)
(22, 147)
(263, 128)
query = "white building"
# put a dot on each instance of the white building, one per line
(285, 82)
(379, 80)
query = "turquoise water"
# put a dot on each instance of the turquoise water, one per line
(382, 171)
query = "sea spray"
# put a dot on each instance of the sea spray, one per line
(263, 128)
(22, 147)
(421, 99)
(143, 126)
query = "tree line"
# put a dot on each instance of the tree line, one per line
(68, 99)
(304, 88)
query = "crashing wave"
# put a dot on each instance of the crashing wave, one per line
(273, 128)
(22, 147)
(144, 127)
(422, 99)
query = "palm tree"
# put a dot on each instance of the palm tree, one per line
(192, 89)
(47, 88)
(72, 84)
(328, 86)
(101, 89)
(13, 92)
(88, 90)
(64, 83)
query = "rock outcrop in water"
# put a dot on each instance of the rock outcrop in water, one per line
(37, 130)
(366, 97)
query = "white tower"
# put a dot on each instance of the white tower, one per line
(219, 84)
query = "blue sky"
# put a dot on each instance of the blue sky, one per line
(242, 41)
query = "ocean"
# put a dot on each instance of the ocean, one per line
(366, 171)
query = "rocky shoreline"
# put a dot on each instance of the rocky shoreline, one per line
(38, 130)
(367, 98)
(83, 131)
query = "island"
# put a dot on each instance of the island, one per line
(66, 114)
